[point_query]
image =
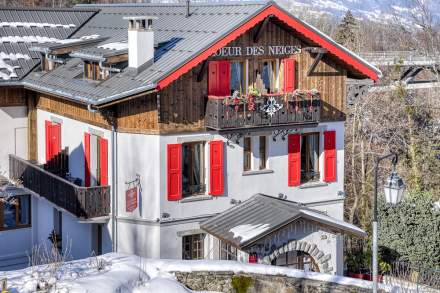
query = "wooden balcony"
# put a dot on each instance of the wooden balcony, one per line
(83, 202)
(224, 114)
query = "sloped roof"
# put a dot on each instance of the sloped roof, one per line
(262, 214)
(22, 28)
(181, 43)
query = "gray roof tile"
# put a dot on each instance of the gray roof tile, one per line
(263, 214)
(23, 15)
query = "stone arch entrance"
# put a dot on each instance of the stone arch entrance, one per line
(321, 260)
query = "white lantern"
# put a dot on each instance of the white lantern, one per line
(394, 189)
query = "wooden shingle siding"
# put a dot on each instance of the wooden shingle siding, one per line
(138, 115)
(71, 110)
(10, 97)
(182, 106)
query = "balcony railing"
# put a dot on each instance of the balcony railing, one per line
(84, 202)
(231, 113)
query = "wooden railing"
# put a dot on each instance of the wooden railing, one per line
(84, 202)
(221, 115)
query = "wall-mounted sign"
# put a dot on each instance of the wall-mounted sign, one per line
(131, 199)
(258, 51)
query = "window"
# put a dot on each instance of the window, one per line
(263, 152)
(227, 251)
(270, 75)
(192, 246)
(15, 213)
(309, 157)
(193, 175)
(247, 153)
(92, 70)
(238, 77)
(296, 260)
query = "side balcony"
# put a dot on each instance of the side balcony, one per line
(247, 111)
(83, 202)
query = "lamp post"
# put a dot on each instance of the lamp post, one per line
(393, 189)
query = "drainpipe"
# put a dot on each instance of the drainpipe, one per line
(114, 184)
(114, 190)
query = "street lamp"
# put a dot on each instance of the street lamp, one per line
(393, 189)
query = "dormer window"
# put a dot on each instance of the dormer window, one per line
(92, 70)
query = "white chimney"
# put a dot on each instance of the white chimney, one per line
(140, 40)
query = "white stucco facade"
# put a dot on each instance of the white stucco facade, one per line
(13, 133)
(156, 227)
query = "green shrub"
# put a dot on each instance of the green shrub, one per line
(241, 284)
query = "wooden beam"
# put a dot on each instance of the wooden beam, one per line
(202, 71)
(319, 51)
(260, 29)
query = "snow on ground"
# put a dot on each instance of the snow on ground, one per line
(120, 273)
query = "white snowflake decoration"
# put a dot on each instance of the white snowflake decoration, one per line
(271, 107)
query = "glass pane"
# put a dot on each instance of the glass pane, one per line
(247, 154)
(186, 171)
(310, 157)
(262, 152)
(267, 75)
(236, 82)
(9, 217)
(24, 212)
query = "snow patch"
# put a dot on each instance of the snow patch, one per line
(114, 46)
(16, 24)
(7, 71)
(248, 231)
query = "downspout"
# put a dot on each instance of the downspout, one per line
(114, 184)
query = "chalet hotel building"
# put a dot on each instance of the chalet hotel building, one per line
(184, 131)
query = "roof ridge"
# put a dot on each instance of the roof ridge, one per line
(54, 9)
(178, 4)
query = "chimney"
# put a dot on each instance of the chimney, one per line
(140, 40)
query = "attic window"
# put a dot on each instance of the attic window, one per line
(93, 71)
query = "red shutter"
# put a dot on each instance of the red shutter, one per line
(224, 78)
(329, 156)
(174, 169)
(55, 143)
(219, 74)
(48, 127)
(213, 78)
(294, 159)
(216, 179)
(289, 75)
(103, 159)
(86, 159)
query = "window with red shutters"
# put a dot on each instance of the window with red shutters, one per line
(219, 78)
(329, 156)
(86, 159)
(289, 75)
(103, 160)
(174, 171)
(216, 182)
(294, 159)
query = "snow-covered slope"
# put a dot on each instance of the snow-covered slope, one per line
(375, 10)
(119, 273)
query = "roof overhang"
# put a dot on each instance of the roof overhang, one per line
(274, 215)
(273, 10)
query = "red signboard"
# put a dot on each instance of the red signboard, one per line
(131, 199)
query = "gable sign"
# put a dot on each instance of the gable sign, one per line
(270, 50)
(131, 199)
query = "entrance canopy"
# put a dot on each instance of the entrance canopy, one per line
(261, 215)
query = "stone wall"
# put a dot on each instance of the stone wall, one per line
(229, 282)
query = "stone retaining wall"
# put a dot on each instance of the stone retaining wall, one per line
(229, 282)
